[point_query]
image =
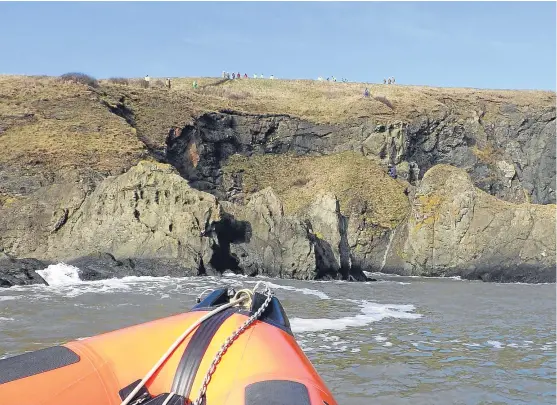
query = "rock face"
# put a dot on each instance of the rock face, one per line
(201, 149)
(149, 221)
(71, 187)
(27, 222)
(510, 156)
(489, 148)
(149, 212)
(278, 245)
(328, 229)
(456, 229)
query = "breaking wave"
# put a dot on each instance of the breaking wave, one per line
(60, 274)
(369, 312)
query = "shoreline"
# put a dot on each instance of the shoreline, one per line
(33, 272)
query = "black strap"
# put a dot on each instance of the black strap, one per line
(191, 359)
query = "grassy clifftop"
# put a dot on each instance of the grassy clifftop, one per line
(48, 126)
(328, 102)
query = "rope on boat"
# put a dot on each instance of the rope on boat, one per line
(228, 342)
(244, 297)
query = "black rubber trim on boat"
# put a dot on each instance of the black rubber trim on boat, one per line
(194, 352)
(274, 314)
(277, 392)
(37, 362)
(141, 396)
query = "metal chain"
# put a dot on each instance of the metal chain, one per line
(229, 342)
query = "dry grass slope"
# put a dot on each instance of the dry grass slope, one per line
(327, 102)
(351, 177)
(48, 125)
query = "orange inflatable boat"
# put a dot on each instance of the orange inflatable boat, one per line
(232, 348)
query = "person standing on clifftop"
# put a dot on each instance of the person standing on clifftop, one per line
(366, 93)
(194, 85)
(168, 82)
(147, 80)
(233, 76)
(245, 75)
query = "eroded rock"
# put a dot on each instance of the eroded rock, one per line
(457, 229)
(149, 212)
(278, 245)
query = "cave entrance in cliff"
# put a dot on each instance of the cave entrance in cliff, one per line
(228, 231)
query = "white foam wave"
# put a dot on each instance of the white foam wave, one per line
(5, 319)
(306, 291)
(378, 273)
(520, 283)
(64, 280)
(495, 344)
(471, 344)
(387, 282)
(379, 338)
(232, 274)
(370, 312)
(60, 274)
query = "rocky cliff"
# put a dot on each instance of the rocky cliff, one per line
(457, 229)
(280, 178)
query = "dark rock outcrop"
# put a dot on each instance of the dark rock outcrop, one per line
(100, 266)
(201, 149)
(19, 271)
(510, 155)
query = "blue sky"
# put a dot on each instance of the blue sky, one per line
(449, 44)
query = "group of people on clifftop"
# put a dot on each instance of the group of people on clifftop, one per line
(331, 79)
(234, 76)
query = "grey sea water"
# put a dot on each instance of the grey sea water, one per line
(395, 341)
